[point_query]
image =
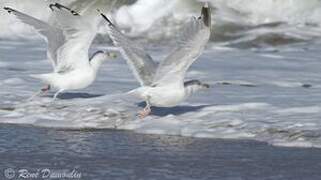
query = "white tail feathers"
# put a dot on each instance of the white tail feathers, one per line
(36, 76)
(43, 77)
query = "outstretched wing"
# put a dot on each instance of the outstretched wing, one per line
(52, 35)
(78, 33)
(190, 46)
(141, 63)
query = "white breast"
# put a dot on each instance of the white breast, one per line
(77, 79)
(166, 96)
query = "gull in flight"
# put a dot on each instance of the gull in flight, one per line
(162, 84)
(69, 40)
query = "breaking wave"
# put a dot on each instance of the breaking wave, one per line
(237, 23)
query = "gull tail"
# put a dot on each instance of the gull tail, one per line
(135, 92)
(36, 76)
(138, 92)
(43, 77)
(206, 15)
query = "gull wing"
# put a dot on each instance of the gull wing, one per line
(78, 33)
(51, 34)
(190, 46)
(141, 63)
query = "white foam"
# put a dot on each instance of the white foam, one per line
(300, 110)
(146, 18)
(287, 84)
(141, 15)
(13, 81)
(303, 144)
(261, 12)
(274, 56)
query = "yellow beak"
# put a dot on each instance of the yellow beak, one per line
(112, 55)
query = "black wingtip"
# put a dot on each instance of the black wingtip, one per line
(9, 10)
(206, 14)
(105, 17)
(60, 6)
(51, 6)
(74, 13)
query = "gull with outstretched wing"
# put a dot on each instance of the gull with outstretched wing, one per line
(69, 40)
(163, 84)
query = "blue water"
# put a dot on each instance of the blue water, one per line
(125, 155)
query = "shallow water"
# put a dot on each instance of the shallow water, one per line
(260, 91)
(124, 155)
(270, 95)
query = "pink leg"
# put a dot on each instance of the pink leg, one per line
(145, 112)
(44, 90)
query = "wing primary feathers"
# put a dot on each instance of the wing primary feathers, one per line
(51, 7)
(190, 46)
(105, 17)
(8, 9)
(206, 15)
(59, 6)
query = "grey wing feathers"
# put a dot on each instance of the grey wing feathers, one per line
(190, 46)
(72, 34)
(42, 27)
(141, 63)
(53, 36)
(78, 33)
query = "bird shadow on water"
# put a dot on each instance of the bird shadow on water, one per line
(177, 110)
(67, 96)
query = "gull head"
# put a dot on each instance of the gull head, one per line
(99, 57)
(102, 56)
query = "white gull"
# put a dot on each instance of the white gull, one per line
(163, 85)
(69, 39)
